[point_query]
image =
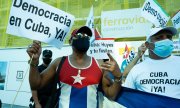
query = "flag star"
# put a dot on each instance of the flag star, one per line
(78, 78)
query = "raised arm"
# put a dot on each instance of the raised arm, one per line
(141, 51)
(36, 79)
(111, 88)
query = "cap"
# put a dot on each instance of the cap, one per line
(47, 53)
(83, 29)
(155, 30)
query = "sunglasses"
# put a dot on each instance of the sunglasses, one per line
(82, 35)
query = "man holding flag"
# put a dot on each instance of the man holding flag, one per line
(158, 74)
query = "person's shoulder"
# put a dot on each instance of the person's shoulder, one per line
(138, 67)
(175, 57)
(140, 64)
(57, 61)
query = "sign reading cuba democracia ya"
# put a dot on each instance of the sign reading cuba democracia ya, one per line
(39, 21)
(124, 23)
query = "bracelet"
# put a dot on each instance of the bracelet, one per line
(118, 80)
(32, 64)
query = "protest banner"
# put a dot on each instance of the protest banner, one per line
(153, 12)
(99, 48)
(176, 20)
(39, 21)
(125, 51)
(176, 45)
(124, 23)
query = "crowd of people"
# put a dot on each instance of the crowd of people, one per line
(82, 77)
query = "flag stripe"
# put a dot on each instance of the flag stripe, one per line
(131, 98)
(65, 95)
(79, 99)
(92, 93)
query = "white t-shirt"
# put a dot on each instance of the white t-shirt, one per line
(156, 76)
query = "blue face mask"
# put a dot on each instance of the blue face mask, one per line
(163, 48)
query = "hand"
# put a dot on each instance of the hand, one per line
(34, 50)
(141, 49)
(111, 66)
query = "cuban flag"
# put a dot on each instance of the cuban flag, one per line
(131, 56)
(97, 34)
(126, 52)
(79, 86)
(131, 98)
(125, 55)
(90, 24)
(123, 65)
(128, 56)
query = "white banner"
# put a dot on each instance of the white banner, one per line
(100, 48)
(176, 20)
(124, 23)
(152, 11)
(176, 45)
(123, 50)
(18, 76)
(39, 21)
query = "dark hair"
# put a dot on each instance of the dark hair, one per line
(47, 53)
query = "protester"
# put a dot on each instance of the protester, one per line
(141, 51)
(159, 73)
(40, 97)
(80, 75)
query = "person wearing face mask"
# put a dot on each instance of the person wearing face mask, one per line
(158, 74)
(80, 75)
(40, 97)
